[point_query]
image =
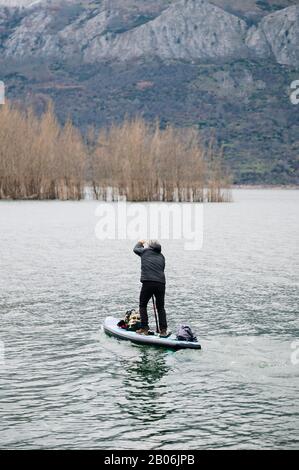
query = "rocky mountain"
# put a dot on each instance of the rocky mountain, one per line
(223, 65)
(186, 30)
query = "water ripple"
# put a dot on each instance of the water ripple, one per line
(64, 384)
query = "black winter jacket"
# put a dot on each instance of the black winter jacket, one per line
(152, 263)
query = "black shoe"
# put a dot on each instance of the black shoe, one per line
(163, 333)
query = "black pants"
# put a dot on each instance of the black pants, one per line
(150, 288)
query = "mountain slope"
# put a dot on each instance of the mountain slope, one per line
(223, 66)
(280, 31)
(186, 30)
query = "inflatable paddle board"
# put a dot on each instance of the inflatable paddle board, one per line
(111, 329)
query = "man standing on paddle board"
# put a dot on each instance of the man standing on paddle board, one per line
(153, 283)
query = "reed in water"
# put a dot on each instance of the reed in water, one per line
(40, 159)
(144, 163)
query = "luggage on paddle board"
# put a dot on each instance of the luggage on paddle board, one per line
(111, 328)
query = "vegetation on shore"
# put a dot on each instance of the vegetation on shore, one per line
(40, 159)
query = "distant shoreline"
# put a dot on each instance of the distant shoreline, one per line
(233, 187)
(264, 186)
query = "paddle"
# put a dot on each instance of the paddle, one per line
(156, 316)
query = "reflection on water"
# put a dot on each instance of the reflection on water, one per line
(149, 369)
(142, 385)
(65, 384)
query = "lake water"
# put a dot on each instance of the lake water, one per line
(64, 384)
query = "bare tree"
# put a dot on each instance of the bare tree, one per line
(40, 159)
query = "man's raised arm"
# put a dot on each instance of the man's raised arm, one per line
(139, 248)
